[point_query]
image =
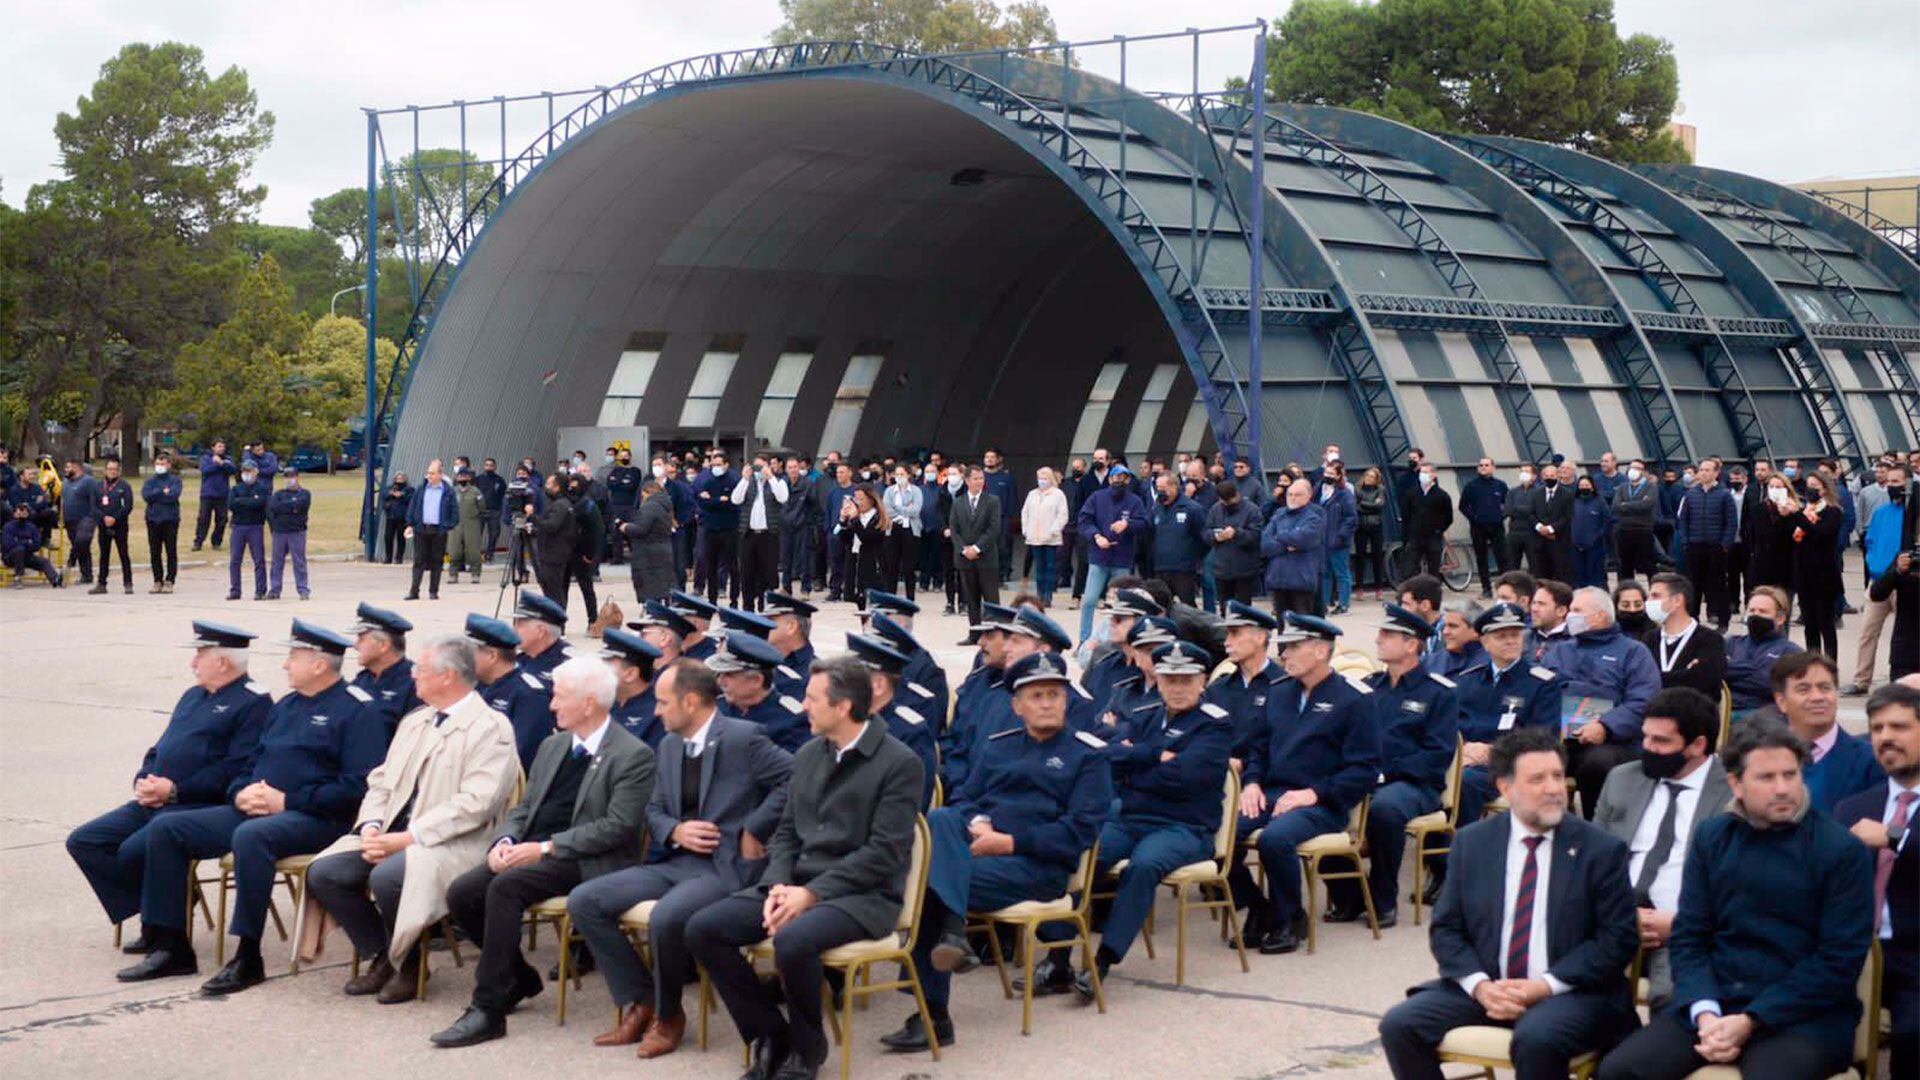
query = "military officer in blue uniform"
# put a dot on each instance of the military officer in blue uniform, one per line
(990, 639)
(1014, 831)
(380, 644)
(1124, 607)
(924, 678)
(542, 625)
(787, 682)
(1169, 775)
(793, 636)
(1244, 691)
(1028, 634)
(1321, 757)
(664, 628)
(1505, 693)
(745, 665)
(518, 695)
(296, 795)
(1135, 695)
(211, 736)
(696, 645)
(904, 722)
(1419, 719)
(634, 663)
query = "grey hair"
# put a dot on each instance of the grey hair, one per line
(1466, 609)
(236, 657)
(334, 661)
(1601, 600)
(590, 676)
(847, 681)
(452, 654)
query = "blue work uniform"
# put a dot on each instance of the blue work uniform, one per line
(541, 667)
(702, 649)
(1444, 661)
(994, 714)
(782, 715)
(911, 726)
(1050, 795)
(929, 682)
(1326, 740)
(965, 705)
(1246, 703)
(1106, 669)
(1130, 698)
(527, 703)
(791, 676)
(1419, 720)
(391, 692)
(640, 717)
(317, 750)
(1169, 810)
(207, 742)
(1493, 702)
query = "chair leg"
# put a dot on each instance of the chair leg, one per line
(453, 943)
(1093, 968)
(1029, 944)
(846, 1025)
(566, 954)
(999, 960)
(1366, 897)
(833, 1013)
(1180, 942)
(116, 926)
(220, 931)
(420, 977)
(706, 1002)
(1419, 870)
(299, 885)
(1310, 868)
(920, 1003)
(1232, 922)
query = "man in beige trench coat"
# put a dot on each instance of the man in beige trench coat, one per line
(428, 817)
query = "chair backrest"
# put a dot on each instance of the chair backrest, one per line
(1866, 1034)
(939, 795)
(1450, 796)
(1082, 880)
(909, 921)
(1357, 818)
(1726, 715)
(1229, 818)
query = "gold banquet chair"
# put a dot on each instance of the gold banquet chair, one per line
(1345, 844)
(196, 898)
(1427, 830)
(1028, 916)
(1490, 1047)
(290, 872)
(855, 960)
(1207, 875)
(636, 922)
(1866, 1034)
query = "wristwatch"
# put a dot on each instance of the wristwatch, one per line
(546, 847)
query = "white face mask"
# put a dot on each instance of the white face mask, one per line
(932, 475)
(1778, 495)
(953, 483)
(659, 472)
(1633, 475)
(1426, 480)
(1331, 458)
(608, 459)
(1657, 610)
(1576, 624)
(1526, 478)
(160, 469)
(1044, 481)
(719, 470)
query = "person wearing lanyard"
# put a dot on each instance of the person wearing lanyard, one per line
(1690, 653)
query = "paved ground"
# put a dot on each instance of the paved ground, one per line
(89, 684)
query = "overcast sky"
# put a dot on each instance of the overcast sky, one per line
(1787, 90)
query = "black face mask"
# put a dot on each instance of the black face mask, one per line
(1761, 627)
(1663, 766)
(1897, 494)
(1634, 622)
(1078, 473)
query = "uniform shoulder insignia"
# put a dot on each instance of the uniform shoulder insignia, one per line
(359, 695)
(787, 702)
(256, 688)
(1441, 679)
(1542, 673)
(909, 715)
(1004, 734)
(789, 672)
(1359, 684)
(1081, 691)
(532, 680)
(1477, 668)
(1146, 706)
(918, 689)
(1213, 710)
(1091, 740)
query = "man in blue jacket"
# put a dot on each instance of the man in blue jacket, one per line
(1776, 913)
(112, 509)
(1711, 526)
(720, 542)
(263, 459)
(1606, 679)
(1179, 538)
(287, 511)
(161, 493)
(1109, 523)
(1483, 502)
(247, 505)
(1294, 543)
(216, 474)
(1343, 518)
(1751, 656)
(1839, 764)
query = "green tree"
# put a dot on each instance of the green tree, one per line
(310, 262)
(332, 360)
(925, 26)
(342, 218)
(233, 383)
(1554, 70)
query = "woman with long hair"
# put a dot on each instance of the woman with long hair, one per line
(1370, 535)
(1771, 562)
(864, 521)
(1816, 567)
(900, 557)
(1043, 524)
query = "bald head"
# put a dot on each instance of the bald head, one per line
(1299, 493)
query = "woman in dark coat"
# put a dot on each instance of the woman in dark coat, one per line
(1772, 560)
(865, 520)
(650, 536)
(1816, 567)
(399, 496)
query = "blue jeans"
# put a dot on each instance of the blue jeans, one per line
(1097, 578)
(1336, 585)
(1046, 565)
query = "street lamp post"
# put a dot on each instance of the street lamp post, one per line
(341, 293)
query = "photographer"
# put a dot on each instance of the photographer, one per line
(394, 508)
(1899, 584)
(551, 529)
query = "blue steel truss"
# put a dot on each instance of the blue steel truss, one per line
(1630, 245)
(1886, 350)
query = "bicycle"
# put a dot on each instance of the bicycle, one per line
(1456, 564)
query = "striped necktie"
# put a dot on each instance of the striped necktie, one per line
(1522, 935)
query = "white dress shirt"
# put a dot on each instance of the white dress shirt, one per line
(696, 743)
(593, 741)
(1886, 818)
(1665, 890)
(775, 487)
(1537, 937)
(1672, 645)
(841, 751)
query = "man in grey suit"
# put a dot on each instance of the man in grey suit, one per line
(974, 523)
(722, 787)
(836, 873)
(581, 818)
(1654, 804)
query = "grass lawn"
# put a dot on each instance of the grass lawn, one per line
(333, 522)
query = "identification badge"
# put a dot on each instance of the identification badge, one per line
(1507, 720)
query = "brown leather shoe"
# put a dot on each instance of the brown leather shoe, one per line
(371, 979)
(403, 987)
(628, 1029)
(663, 1037)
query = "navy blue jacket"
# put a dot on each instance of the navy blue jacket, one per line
(1342, 514)
(318, 749)
(933, 516)
(1097, 516)
(1239, 556)
(1483, 501)
(1419, 719)
(1052, 796)
(391, 691)
(77, 498)
(992, 713)
(1775, 923)
(1246, 704)
(1001, 485)
(113, 500)
(1331, 745)
(449, 506)
(162, 496)
(493, 490)
(215, 475)
(1185, 791)
(1529, 692)
(247, 503)
(1847, 769)
(714, 496)
(32, 496)
(1179, 536)
(641, 719)
(781, 715)
(623, 487)
(287, 509)
(527, 703)
(911, 726)
(1607, 664)
(208, 741)
(268, 463)
(966, 705)
(1099, 676)
(1707, 517)
(1130, 701)
(1592, 520)
(20, 535)
(1444, 661)
(1750, 661)
(1294, 543)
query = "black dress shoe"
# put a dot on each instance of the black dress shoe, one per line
(1340, 913)
(1049, 978)
(240, 973)
(953, 954)
(411, 596)
(527, 984)
(1430, 893)
(161, 963)
(1083, 983)
(764, 1058)
(795, 1069)
(1280, 939)
(1387, 918)
(1252, 928)
(141, 945)
(581, 963)
(912, 1036)
(474, 1027)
